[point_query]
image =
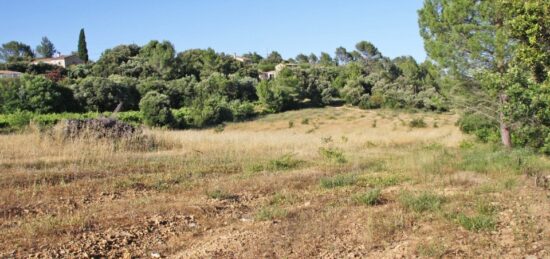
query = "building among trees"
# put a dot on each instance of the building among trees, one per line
(61, 60)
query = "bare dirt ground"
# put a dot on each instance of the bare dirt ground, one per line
(321, 183)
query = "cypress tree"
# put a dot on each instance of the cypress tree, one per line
(82, 48)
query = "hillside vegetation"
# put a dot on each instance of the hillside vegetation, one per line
(331, 182)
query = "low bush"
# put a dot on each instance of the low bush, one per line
(338, 181)
(271, 213)
(333, 155)
(417, 123)
(369, 198)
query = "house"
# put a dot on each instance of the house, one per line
(9, 74)
(61, 60)
(267, 75)
(272, 74)
(240, 58)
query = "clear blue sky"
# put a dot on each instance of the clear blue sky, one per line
(231, 26)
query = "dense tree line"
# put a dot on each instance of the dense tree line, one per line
(200, 87)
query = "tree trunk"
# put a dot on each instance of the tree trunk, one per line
(504, 127)
(505, 133)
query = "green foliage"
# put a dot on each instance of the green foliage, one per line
(421, 202)
(338, 181)
(485, 129)
(82, 46)
(283, 163)
(156, 109)
(380, 181)
(369, 198)
(103, 94)
(46, 49)
(271, 213)
(477, 222)
(35, 94)
(14, 51)
(333, 155)
(417, 123)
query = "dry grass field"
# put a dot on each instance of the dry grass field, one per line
(322, 183)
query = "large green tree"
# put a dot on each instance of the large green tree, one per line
(82, 46)
(14, 51)
(46, 49)
(469, 39)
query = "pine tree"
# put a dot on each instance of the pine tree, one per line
(46, 48)
(82, 48)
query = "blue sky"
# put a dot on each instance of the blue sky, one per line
(230, 26)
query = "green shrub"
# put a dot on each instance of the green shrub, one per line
(417, 123)
(421, 202)
(338, 181)
(270, 213)
(369, 198)
(182, 117)
(155, 108)
(242, 110)
(380, 181)
(103, 94)
(333, 155)
(477, 223)
(484, 129)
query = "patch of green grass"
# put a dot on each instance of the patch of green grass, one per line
(417, 123)
(482, 220)
(488, 158)
(290, 124)
(380, 180)
(285, 162)
(305, 121)
(422, 202)
(270, 213)
(370, 198)
(338, 181)
(333, 155)
(477, 223)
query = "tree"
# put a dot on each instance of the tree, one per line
(35, 94)
(14, 51)
(82, 47)
(102, 94)
(254, 57)
(156, 109)
(326, 59)
(301, 58)
(468, 38)
(368, 50)
(46, 49)
(343, 56)
(313, 58)
(160, 56)
(274, 58)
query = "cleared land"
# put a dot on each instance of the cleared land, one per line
(332, 183)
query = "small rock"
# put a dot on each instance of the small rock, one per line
(155, 255)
